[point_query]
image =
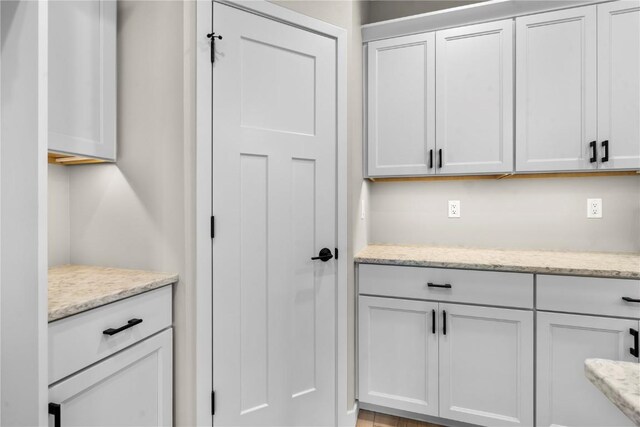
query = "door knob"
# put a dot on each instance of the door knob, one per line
(324, 255)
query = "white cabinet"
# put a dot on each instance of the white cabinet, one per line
(486, 365)
(578, 89)
(460, 362)
(474, 98)
(398, 354)
(131, 388)
(556, 91)
(82, 78)
(619, 85)
(401, 106)
(564, 395)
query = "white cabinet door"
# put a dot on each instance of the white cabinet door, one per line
(398, 354)
(82, 78)
(556, 91)
(486, 365)
(474, 98)
(565, 397)
(401, 106)
(131, 388)
(619, 84)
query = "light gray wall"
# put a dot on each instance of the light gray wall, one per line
(349, 15)
(518, 213)
(23, 297)
(135, 213)
(58, 221)
(382, 10)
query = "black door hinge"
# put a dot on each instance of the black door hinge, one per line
(213, 227)
(213, 403)
(336, 253)
(213, 37)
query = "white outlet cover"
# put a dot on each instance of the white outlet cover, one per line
(454, 209)
(594, 208)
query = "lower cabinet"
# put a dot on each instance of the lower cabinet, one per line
(398, 354)
(564, 395)
(130, 388)
(466, 363)
(486, 365)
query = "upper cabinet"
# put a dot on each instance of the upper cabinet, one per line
(474, 98)
(556, 91)
(82, 78)
(443, 102)
(578, 86)
(619, 85)
(401, 106)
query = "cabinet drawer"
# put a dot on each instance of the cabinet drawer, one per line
(468, 286)
(589, 295)
(78, 341)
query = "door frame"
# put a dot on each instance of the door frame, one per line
(204, 199)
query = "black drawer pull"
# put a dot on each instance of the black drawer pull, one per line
(629, 299)
(444, 322)
(634, 350)
(54, 409)
(433, 321)
(440, 158)
(130, 323)
(435, 285)
(431, 159)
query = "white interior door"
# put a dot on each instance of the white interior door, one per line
(274, 201)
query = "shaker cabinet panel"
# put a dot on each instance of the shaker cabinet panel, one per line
(619, 85)
(565, 397)
(131, 388)
(398, 354)
(82, 78)
(556, 91)
(401, 84)
(486, 365)
(474, 98)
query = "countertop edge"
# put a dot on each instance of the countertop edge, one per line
(73, 309)
(501, 267)
(612, 391)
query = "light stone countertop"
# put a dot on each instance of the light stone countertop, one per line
(77, 288)
(619, 381)
(595, 264)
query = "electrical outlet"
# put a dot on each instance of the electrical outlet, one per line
(454, 208)
(594, 208)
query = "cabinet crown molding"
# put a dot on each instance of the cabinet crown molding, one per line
(492, 10)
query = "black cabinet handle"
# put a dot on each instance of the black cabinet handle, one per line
(430, 159)
(444, 322)
(605, 148)
(629, 299)
(324, 255)
(433, 321)
(54, 409)
(634, 350)
(435, 285)
(130, 323)
(440, 158)
(594, 155)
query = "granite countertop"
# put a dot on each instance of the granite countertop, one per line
(619, 381)
(77, 288)
(596, 264)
